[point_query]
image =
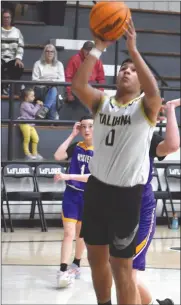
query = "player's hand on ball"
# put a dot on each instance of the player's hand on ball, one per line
(130, 34)
(76, 129)
(61, 177)
(101, 45)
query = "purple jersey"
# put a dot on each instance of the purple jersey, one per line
(80, 156)
(147, 222)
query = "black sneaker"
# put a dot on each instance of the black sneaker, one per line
(42, 113)
(165, 302)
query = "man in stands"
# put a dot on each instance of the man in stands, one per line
(74, 63)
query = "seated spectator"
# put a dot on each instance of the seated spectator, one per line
(12, 50)
(75, 62)
(28, 111)
(48, 68)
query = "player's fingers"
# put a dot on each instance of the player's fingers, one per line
(132, 24)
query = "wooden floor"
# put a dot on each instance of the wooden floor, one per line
(30, 259)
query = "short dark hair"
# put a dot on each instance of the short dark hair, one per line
(127, 60)
(86, 117)
(25, 93)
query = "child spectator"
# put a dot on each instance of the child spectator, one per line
(28, 111)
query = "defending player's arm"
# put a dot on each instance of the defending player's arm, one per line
(61, 153)
(66, 177)
(152, 100)
(88, 95)
(171, 143)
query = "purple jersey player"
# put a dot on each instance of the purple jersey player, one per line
(72, 205)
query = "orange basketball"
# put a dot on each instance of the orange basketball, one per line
(108, 19)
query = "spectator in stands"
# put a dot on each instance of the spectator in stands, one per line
(74, 63)
(48, 68)
(28, 111)
(12, 50)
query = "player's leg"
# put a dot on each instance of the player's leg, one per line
(123, 227)
(70, 217)
(98, 257)
(95, 233)
(79, 244)
(146, 232)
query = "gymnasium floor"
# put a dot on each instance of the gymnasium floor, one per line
(31, 258)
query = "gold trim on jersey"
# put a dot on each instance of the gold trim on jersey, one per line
(103, 99)
(69, 219)
(141, 246)
(83, 145)
(145, 115)
(124, 105)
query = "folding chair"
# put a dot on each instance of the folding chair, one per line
(172, 178)
(160, 194)
(19, 185)
(2, 210)
(49, 190)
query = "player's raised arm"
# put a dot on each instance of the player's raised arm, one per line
(152, 100)
(88, 95)
(171, 143)
(61, 152)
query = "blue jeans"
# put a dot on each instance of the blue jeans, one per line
(50, 102)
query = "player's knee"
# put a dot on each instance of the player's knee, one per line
(122, 269)
(69, 234)
(98, 256)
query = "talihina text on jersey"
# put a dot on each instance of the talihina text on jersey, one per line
(108, 120)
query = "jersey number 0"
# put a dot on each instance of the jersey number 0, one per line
(110, 138)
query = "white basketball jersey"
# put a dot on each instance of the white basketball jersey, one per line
(121, 138)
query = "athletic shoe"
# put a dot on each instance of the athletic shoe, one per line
(74, 270)
(29, 157)
(37, 157)
(165, 302)
(64, 279)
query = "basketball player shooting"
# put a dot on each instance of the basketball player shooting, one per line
(123, 129)
(160, 148)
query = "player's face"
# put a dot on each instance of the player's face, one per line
(127, 79)
(86, 129)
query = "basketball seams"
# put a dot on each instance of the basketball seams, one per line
(111, 27)
(96, 9)
(106, 19)
(120, 26)
(121, 30)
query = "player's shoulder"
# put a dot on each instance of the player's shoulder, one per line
(83, 146)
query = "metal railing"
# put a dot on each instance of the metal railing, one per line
(11, 121)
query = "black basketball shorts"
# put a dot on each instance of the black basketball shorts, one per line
(111, 216)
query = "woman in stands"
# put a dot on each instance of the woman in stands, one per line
(48, 68)
(12, 50)
(160, 148)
